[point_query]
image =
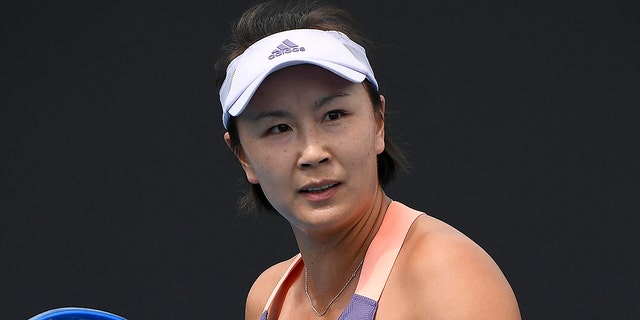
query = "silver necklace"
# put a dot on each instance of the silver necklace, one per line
(306, 290)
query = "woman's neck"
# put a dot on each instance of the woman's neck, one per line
(333, 259)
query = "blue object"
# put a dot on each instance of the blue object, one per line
(76, 313)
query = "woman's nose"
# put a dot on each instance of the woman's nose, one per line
(314, 153)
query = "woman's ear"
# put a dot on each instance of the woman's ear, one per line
(246, 165)
(379, 118)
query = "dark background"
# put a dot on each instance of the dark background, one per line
(118, 192)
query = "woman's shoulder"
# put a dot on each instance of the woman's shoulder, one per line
(449, 270)
(263, 286)
(436, 244)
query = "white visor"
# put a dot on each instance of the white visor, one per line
(331, 50)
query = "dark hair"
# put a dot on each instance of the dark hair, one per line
(270, 17)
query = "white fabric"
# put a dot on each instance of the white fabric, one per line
(331, 50)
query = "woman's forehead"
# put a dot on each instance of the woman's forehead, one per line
(301, 82)
(311, 74)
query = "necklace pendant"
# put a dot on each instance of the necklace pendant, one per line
(306, 290)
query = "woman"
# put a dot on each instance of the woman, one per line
(306, 122)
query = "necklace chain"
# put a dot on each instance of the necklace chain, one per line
(306, 290)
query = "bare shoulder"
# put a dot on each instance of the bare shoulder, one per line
(262, 287)
(453, 277)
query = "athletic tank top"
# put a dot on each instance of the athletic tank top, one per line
(377, 266)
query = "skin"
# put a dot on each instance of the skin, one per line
(306, 127)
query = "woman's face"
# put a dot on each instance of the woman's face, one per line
(310, 139)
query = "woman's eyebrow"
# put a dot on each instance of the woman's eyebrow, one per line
(270, 114)
(281, 113)
(326, 100)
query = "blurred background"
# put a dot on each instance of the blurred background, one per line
(118, 192)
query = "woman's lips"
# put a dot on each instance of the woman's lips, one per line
(319, 192)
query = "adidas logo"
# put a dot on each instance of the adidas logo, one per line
(286, 47)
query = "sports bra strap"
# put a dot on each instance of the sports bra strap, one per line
(296, 260)
(384, 249)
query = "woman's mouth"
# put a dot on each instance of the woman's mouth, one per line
(318, 189)
(320, 192)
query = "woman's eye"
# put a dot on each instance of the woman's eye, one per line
(279, 128)
(333, 115)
